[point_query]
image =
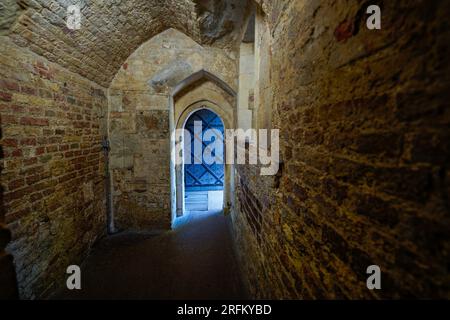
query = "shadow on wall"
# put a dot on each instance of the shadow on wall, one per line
(8, 282)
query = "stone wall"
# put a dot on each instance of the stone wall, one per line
(139, 123)
(210, 93)
(246, 94)
(364, 132)
(263, 86)
(52, 124)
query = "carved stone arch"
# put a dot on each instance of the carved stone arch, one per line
(199, 75)
(177, 179)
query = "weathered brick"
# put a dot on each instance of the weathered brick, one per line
(389, 144)
(16, 184)
(430, 148)
(9, 143)
(344, 30)
(52, 149)
(378, 210)
(16, 153)
(363, 129)
(4, 96)
(33, 179)
(30, 161)
(40, 151)
(31, 190)
(28, 142)
(28, 121)
(413, 105)
(28, 90)
(9, 85)
(17, 215)
(9, 119)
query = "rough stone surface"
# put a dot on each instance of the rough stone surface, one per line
(9, 10)
(209, 94)
(364, 132)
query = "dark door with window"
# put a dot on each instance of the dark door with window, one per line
(202, 177)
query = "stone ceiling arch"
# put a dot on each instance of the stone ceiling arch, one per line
(112, 30)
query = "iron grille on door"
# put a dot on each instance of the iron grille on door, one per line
(204, 176)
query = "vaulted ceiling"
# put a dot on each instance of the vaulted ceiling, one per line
(113, 29)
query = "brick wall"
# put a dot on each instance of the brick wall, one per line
(53, 166)
(364, 130)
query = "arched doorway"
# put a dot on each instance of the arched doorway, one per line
(219, 98)
(204, 169)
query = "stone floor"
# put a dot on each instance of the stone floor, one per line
(193, 261)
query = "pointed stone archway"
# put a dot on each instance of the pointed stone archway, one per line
(178, 119)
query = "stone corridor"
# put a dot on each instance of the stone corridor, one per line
(348, 99)
(194, 261)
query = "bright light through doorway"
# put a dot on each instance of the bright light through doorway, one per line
(204, 201)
